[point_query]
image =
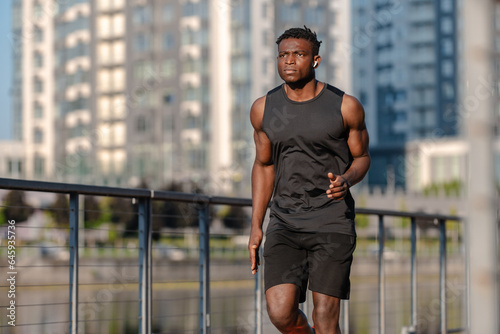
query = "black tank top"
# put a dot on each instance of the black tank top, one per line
(308, 141)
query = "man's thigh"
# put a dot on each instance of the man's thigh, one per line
(330, 257)
(285, 262)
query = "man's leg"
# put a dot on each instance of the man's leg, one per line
(326, 314)
(283, 309)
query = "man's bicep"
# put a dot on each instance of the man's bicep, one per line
(354, 116)
(358, 142)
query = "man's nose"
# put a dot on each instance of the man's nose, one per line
(290, 59)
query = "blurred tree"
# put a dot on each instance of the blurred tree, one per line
(174, 214)
(93, 215)
(59, 210)
(121, 209)
(236, 218)
(15, 207)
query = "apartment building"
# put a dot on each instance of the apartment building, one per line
(405, 73)
(117, 92)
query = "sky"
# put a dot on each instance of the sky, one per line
(6, 73)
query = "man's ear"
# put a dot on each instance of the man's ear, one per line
(317, 61)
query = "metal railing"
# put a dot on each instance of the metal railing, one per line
(145, 197)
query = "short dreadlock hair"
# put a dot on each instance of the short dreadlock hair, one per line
(302, 33)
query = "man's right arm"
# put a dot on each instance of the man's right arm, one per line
(262, 181)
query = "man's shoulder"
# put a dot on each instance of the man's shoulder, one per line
(335, 90)
(274, 90)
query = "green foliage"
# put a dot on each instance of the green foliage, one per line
(59, 210)
(235, 217)
(449, 189)
(15, 207)
(120, 209)
(92, 215)
(362, 221)
(404, 221)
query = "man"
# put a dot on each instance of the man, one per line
(311, 147)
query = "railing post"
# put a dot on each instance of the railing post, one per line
(414, 296)
(73, 263)
(145, 267)
(258, 296)
(442, 276)
(381, 276)
(204, 261)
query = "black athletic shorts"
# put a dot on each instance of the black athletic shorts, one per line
(322, 259)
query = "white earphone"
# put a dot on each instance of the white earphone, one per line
(315, 63)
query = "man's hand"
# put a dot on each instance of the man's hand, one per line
(338, 187)
(253, 248)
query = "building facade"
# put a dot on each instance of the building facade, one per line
(405, 73)
(123, 93)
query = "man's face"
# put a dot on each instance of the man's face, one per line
(295, 60)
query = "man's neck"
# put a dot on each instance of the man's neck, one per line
(303, 92)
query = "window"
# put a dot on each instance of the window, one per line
(168, 41)
(38, 34)
(142, 42)
(38, 85)
(38, 110)
(191, 93)
(168, 68)
(199, 37)
(118, 134)
(119, 79)
(119, 161)
(141, 15)
(37, 136)
(104, 26)
(168, 13)
(265, 10)
(104, 53)
(77, 131)
(290, 13)
(191, 66)
(448, 90)
(118, 51)
(446, 6)
(315, 15)
(447, 47)
(198, 8)
(38, 11)
(104, 107)
(39, 166)
(447, 68)
(118, 24)
(38, 59)
(447, 25)
(14, 167)
(119, 105)
(141, 124)
(168, 97)
(104, 80)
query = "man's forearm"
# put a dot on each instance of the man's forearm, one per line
(357, 171)
(262, 190)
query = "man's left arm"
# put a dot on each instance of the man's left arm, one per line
(354, 121)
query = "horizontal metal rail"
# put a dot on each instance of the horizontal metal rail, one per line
(145, 249)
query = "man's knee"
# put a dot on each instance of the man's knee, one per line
(282, 306)
(282, 318)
